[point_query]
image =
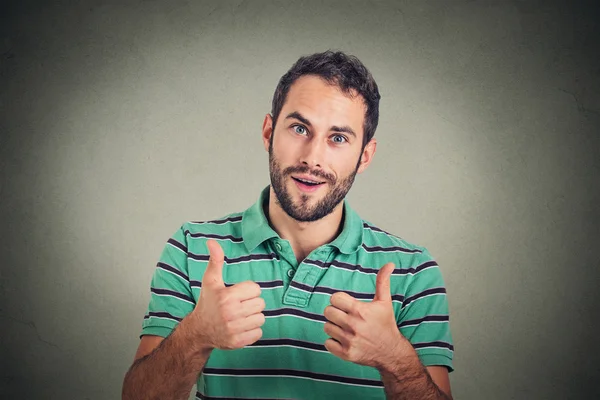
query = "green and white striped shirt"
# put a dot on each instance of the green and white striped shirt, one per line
(290, 360)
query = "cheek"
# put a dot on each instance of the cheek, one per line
(285, 151)
(343, 163)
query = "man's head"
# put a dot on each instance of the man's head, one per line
(325, 112)
(344, 71)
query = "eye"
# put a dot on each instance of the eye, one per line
(339, 139)
(299, 129)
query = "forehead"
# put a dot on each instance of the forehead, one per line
(324, 104)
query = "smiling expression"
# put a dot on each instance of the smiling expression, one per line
(315, 149)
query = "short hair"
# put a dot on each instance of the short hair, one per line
(337, 68)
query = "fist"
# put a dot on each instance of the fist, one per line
(364, 333)
(227, 317)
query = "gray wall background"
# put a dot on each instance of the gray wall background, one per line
(121, 120)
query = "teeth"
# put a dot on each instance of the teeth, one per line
(305, 181)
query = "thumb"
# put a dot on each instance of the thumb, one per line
(213, 276)
(382, 285)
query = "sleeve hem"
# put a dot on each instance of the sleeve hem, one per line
(429, 360)
(162, 331)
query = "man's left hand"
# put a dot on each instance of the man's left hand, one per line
(365, 333)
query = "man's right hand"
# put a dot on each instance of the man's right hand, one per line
(227, 317)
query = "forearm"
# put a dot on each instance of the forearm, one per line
(170, 371)
(409, 379)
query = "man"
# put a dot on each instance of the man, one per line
(298, 297)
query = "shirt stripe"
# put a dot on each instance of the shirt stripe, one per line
(171, 293)
(291, 373)
(177, 245)
(235, 260)
(389, 249)
(424, 293)
(200, 235)
(428, 318)
(219, 221)
(293, 312)
(290, 343)
(440, 345)
(172, 270)
(164, 315)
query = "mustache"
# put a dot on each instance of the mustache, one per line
(303, 169)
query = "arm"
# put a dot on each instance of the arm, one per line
(223, 318)
(404, 377)
(179, 357)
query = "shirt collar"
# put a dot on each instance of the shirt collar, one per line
(351, 237)
(256, 228)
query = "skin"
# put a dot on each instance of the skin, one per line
(231, 317)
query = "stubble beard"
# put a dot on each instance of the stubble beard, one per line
(302, 211)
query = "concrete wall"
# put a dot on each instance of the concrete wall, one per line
(121, 120)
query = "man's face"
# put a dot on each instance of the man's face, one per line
(316, 150)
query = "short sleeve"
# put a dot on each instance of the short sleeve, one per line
(424, 317)
(171, 296)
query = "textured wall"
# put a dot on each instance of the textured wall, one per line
(121, 120)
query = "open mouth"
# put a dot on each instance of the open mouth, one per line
(307, 182)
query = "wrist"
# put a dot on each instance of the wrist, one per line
(400, 361)
(194, 336)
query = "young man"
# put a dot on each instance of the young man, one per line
(298, 297)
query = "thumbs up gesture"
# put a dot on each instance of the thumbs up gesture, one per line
(364, 333)
(227, 317)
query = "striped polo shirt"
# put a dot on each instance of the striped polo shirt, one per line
(290, 360)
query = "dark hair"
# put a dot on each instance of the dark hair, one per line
(336, 68)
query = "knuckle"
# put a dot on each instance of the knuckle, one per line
(230, 329)
(351, 354)
(226, 315)
(238, 342)
(362, 312)
(352, 327)
(230, 345)
(222, 299)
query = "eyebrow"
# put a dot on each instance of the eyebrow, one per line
(301, 118)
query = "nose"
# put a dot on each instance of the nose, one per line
(313, 153)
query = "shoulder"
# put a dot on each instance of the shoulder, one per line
(374, 235)
(191, 236)
(225, 227)
(416, 275)
(379, 241)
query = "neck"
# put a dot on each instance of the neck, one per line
(304, 236)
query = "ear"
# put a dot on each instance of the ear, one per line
(367, 155)
(267, 131)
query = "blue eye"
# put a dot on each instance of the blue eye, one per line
(299, 129)
(339, 139)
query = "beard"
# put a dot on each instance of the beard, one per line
(303, 211)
